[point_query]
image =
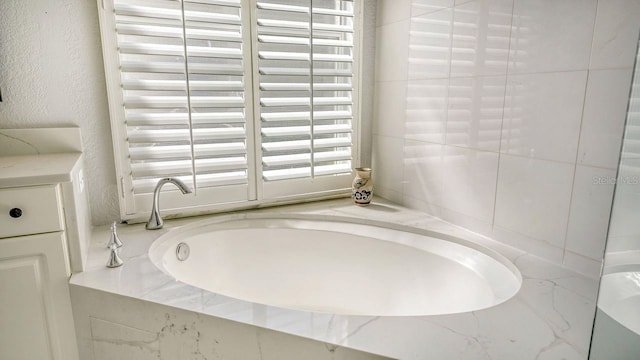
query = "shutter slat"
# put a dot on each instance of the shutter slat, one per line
(285, 174)
(178, 50)
(149, 30)
(332, 87)
(285, 86)
(305, 86)
(332, 143)
(211, 17)
(160, 152)
(301, 101)
(163, 85)
(281, 7)
(230, 3)
(287, 145)
(286, 131)
(304, 130)
(179, 68)
(215, 35)
(332, 115)
(332, 101)
(184, 151)
(293, 159)
(282, 55)
(332, 57)
(152, 21)
(175, 31)
(306, 144)
(304, 25)
(332, 42)
(167, 119)
(217, 101)
(147, 11)
(332, 72)
(283, 24)
(317, 115)
(297, 159)
(137, 102)
(286, 116)
(132, 102)
(333, 27)
(284, 40)
(221, 164)
(156, 67)
(332, 156)
(286, 32)
(170, 135)
(334, 12)
(333, 169)
(160, 168)
(284, 71)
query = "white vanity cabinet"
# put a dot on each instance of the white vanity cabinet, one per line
(36, 321)
(44, 237)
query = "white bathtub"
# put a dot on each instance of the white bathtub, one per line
(337, 267)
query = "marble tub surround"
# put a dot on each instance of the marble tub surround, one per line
(549, 318)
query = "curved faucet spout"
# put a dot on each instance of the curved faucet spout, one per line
(155, 220)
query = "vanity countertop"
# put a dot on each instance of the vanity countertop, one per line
(549, 318)
(29, 170)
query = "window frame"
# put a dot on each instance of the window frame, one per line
(136, 208)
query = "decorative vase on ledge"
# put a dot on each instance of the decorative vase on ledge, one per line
(362, 187)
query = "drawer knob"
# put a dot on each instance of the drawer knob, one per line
(15, 213)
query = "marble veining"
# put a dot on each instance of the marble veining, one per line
(549, 318)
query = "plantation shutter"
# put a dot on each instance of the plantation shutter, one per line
(248, 102)
(184, 100)
(305, 64)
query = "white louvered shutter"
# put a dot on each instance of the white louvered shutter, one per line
(248, 102)
(184, 96)
(305, 63)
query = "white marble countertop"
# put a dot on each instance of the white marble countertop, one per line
(550, 317)
(28, 170)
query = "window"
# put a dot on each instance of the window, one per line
(248, 102)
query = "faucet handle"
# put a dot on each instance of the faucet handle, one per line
(114, 258)
(114, 240)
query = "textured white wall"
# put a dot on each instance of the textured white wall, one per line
(51, 74)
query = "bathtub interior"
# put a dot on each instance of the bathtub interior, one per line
(338, 266)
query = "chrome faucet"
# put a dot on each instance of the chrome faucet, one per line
(155, 220)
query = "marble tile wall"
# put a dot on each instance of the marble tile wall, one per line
(508, 116)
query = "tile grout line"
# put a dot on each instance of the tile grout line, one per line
(504, 102)
(575, 165)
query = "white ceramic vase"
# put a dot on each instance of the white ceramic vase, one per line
(362, 187)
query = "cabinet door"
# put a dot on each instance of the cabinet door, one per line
(36, 321)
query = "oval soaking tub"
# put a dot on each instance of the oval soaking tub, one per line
(337, 266)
